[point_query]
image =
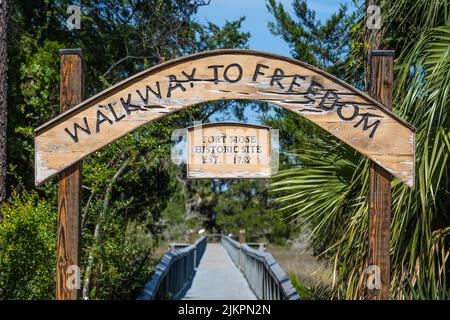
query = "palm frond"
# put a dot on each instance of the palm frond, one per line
(328, 189)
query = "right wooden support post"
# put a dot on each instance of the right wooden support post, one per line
(380, 197)
(242, 236)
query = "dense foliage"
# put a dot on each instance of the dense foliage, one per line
(28, 245)
(128, 185)
(134, 199)
(327, 189)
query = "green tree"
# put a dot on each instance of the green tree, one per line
(322, 44)
(28, 248)
(245, 205)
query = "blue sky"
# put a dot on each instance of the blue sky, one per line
(257, 17)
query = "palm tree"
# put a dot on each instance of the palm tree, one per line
(328, 191)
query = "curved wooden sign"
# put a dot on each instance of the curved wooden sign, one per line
(342, 110)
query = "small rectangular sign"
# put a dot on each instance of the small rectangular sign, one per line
(229, 150)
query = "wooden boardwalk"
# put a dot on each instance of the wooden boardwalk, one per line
(218, 278)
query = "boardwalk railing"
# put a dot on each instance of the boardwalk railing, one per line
(265, 277)
(174, 272)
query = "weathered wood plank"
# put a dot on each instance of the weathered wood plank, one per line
(380, 198)
(228, 150)
(69, 186)
(350, 115)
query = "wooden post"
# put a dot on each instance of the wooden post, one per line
(242, 238)
(192, 236)
(69, 186)
(380, 198)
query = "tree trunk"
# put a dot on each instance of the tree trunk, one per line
(3, 95)
(90, 262)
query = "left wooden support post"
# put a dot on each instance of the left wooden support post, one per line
(192, 236)
(69, 186)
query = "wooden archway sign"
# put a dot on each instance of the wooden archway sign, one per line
(345, 112)
(352, 116)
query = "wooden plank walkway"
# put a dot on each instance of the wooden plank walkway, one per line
(218, 278)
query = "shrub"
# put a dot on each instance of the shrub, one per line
(27, 248)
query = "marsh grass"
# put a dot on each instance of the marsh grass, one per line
(307, 273)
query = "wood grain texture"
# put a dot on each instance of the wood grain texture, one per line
(242, 236)
(228, 150)
(380, 198)
(69, 186)
(350, 115)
